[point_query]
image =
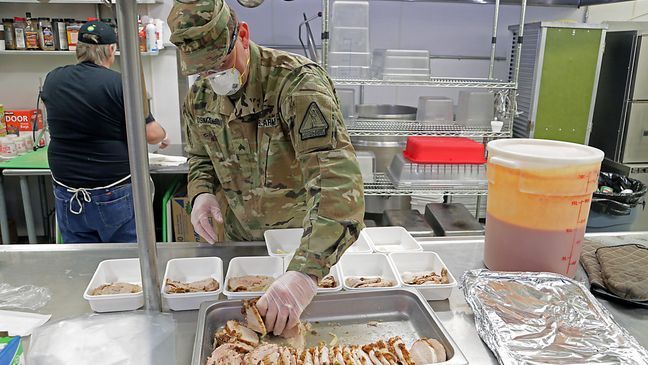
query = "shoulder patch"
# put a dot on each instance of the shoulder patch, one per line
(314, 123)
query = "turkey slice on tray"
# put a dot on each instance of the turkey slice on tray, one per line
(398, 348)
(234, 332)
(227, 354)
(428, 351)
(253, 317)
(325, 355)
(257, 356)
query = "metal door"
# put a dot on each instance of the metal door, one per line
(636, 143)
(640, 92)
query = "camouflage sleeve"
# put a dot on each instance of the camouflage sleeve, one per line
(202, 176)
(331, 173)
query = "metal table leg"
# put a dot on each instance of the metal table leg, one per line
(29, 214)
(4, 223)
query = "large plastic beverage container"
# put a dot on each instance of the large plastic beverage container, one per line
(539, 196)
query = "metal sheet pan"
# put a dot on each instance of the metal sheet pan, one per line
(397, 312)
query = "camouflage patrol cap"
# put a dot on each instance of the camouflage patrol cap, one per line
(199, 29)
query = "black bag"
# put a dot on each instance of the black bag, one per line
(616, 203)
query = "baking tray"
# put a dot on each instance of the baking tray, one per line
(398, 311)
(406, 174)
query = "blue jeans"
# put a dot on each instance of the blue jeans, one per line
(108, 217)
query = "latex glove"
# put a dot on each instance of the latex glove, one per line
(285, 300)
(165, 142)
(204, 205)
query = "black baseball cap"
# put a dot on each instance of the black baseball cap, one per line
(96, 32)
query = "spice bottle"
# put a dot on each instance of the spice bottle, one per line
(9, 33)
(45, 34)
(73, 34)
(60, 34)
(19, 32)
(31, 33)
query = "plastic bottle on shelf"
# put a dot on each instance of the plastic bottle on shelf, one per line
(19, 32)
(46, 34)
(9, 34)
(31, 33)
(159, 33)
(141, 32)
(151, 38)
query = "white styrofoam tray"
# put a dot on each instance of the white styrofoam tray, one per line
(114, 271)
(283, 242)
(422, 262)
(367, 265)
(252, 265)
(359, 246)
(188, 270)
(390, 239)
(335, 271)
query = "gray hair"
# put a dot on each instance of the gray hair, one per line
(96, 53)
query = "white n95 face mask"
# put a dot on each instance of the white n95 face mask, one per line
(226, 82)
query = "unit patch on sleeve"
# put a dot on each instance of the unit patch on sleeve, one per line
(313, 124)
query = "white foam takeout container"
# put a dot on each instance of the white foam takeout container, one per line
(283, 242)
(252, 265)
(367, 265)
(423, 262)
(188, 270)
(335, 271)
(360, 246)
(390, 239)
(113, 271)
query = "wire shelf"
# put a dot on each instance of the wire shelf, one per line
(404, 128)
(381, 185)
(451, 82)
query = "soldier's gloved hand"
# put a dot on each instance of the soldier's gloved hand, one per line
(285, 300)
(205, 205)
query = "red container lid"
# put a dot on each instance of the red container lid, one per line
(449, 150)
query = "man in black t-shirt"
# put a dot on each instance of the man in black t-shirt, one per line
(88, 152)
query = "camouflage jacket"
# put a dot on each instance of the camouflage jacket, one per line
(281, 155)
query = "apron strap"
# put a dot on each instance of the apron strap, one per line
(81, 195)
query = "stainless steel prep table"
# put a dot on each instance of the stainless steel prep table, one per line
(67, 269)
(23, 174)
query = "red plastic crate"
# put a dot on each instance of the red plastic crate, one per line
(451, 150)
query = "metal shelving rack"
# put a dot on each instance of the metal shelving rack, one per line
(381, 185)
(406, 128)
(372, 128)
(448, 82)
(58, 53)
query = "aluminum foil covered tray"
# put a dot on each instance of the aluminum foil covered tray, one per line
(543, 318)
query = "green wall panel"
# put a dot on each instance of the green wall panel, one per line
(567, 82)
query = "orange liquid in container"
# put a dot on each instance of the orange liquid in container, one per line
(539, 195)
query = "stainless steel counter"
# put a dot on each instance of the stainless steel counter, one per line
(67, 269)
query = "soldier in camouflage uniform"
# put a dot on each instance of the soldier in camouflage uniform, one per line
(265, 128)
